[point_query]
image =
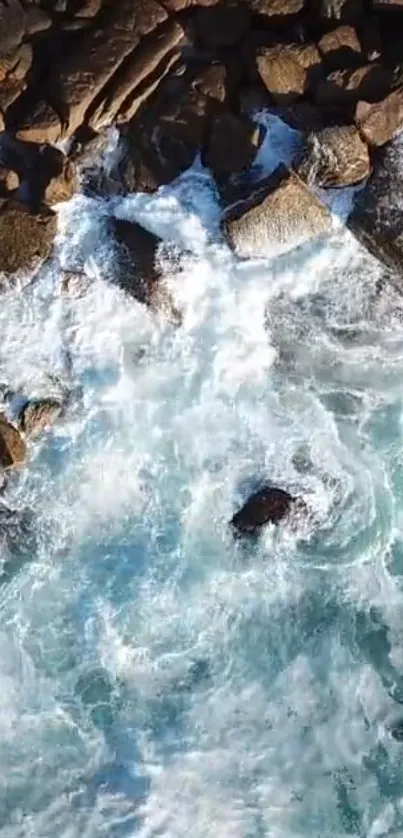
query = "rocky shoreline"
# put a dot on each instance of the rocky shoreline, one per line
(178, 79)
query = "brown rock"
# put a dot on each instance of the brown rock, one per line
(10, 90)
(37, 20)
(146, 62)
(84, 73)
(12, 26)
(23, 62)
(89, 8)
(335, 157)
(345, 88)
(13, 450)
(288, 71)
(379, 122)
(276, 8)
(39, 414)
(61, 187)
(41, 125)
(25, 240)
(278, 217)
(341, 48)
(9, 180)
(212, 81)
(268, 505)
(232, 145)
(222, 25)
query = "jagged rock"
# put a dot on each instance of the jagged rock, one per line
(276, 8)
(141, 75)
(222, 25)
(335, 157)
(26, 240)
(344, 88)
(232, 145)
(13, 450)
(39, 414)
(289, 70)
(136, 268)
(62, 186)
(376, 217)
(268, 505)
(341, 48)
(278, 217)
(9, 180)
(379, 122)
(41, 125)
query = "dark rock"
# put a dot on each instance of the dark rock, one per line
(62, 186)
(232, 145)
(268, 505)
(289, 71)
(376, 217)
(387, 5)
(136, 267)
(222, 25)
(41, 125)
(39, 414)
(12, 26)
(13, 450)
(341, 48)
(346, 11)
(212, 81)
(281, 215)
(335, 157)
(396, 731)
(379, 122)
(344, 88)
(26, 240)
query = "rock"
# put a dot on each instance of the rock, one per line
(278, 217)
(89, 8)
(232, 145)
(26, 240)
(41, 125)
(13, 450)
(341, 48)
(396, 731)
(276, 8)
(267, 506)
(222, 25)
(289, 71)
(376, 217)
(39, 414)
(344, 88)
(62, 186)
(347, 11)
(37, 20)
(12, 26)
(148, 61)
(335, 157)
(212, 81)
(9, 180)
(387, 5)
(136, 268)
(379, 122)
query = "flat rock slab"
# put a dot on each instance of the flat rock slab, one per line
(26, 240)
(13, 449)
(280, 216)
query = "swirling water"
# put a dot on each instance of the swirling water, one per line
(157, 679)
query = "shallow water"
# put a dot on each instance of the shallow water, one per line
(157, 679)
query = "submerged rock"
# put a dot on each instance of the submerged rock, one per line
(268, 505)
(39, 414)
(13, 449)
(276, 218)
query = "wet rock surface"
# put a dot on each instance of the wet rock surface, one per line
(13, 450)
(269, 505)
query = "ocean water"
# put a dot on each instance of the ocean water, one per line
(158, 679)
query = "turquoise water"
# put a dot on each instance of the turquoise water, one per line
(157, 679)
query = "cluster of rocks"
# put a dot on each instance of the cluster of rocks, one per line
(34, 417)
(178, 77)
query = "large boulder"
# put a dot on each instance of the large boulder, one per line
(136, 266)
(341, 48)
(379, 122)
(376, 217)
(289, 71)
(278, 217)
(13, 450)
(232, 144)
(26, 240)
(267, 506)
(335, 157)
